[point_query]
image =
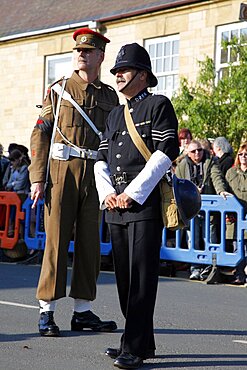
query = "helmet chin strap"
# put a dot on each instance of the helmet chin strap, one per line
(129, 81)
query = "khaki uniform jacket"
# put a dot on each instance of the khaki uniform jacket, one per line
(97, 99)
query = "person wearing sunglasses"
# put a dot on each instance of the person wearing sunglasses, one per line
(236, 178)
(203, 171)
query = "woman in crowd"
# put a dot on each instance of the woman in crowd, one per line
(236, 178)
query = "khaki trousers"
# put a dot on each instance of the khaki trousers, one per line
(71, 212)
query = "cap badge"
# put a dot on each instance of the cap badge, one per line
(120, 54)
(83, 39)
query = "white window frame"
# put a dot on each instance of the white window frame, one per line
(168, 80)
(63, 65)
(229, 30)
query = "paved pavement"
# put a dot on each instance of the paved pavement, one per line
(197, 326)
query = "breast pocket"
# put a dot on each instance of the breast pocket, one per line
(100, 112)
(66, 114)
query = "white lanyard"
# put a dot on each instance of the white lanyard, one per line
(58, 89)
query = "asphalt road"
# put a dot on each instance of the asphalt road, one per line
(197, 326)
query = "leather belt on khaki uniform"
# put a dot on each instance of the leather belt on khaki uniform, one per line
(63, 152)
(83, 153)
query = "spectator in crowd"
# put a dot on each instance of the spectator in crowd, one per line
(207, 146)
(223, 151)
(18, 180)
(23, 150)
(236, 178)
(4, 162)
(184, 138)
(205, 174)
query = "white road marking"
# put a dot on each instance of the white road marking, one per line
(18, 304)
(240, 341)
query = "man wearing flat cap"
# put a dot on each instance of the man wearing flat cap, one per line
(64, 145)
(128, 188)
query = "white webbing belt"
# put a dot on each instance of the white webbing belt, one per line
(58, 89)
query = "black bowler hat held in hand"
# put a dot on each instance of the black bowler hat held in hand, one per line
(137, 57)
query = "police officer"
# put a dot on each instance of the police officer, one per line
(66, 154)
(128, 188)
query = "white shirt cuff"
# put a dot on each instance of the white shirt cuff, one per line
(103, 182)
(144, 183)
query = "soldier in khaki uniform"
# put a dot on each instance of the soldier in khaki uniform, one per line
(71, 201)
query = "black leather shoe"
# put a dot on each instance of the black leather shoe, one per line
(47, 326)
(115, 352)
(88, 320)
(128, 361)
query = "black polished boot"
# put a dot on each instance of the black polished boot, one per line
(115, 352)
(88, 320)
(47, 326)
(128, 361)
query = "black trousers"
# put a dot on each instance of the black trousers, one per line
(136, 255)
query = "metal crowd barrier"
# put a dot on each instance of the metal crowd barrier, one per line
(173, 248)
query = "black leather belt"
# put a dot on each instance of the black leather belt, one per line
(121, 178)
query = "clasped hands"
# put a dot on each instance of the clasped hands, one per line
(122, 201)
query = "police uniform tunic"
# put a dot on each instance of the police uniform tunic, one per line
(137, 231)
(71, 201)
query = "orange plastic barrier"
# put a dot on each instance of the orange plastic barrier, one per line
(10, 216)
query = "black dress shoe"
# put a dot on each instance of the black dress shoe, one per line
(128, 361)
(88, 320)
(47, 326)
(115, 352)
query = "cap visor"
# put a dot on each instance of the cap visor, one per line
(84, 46)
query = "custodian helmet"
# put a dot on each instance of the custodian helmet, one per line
(188, 198)
(135, 56)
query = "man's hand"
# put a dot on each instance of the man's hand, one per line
(111, 201)
(37, 192)
(225, 194)
(124, 201)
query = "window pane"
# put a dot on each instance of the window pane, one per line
(167, 49)
(224, 36)
(151, 50)
(243, 35)
(223, 57)
(159, 50)
(174, 63)
(167, 64)
(169, 83)
(158, 68)
(234, 34)
(233, 55)
(175, 47)
(161, 83)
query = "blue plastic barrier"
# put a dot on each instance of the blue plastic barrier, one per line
(213, 253)
(34, 234)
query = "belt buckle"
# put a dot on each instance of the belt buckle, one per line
(83, 154)
(120, 179)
